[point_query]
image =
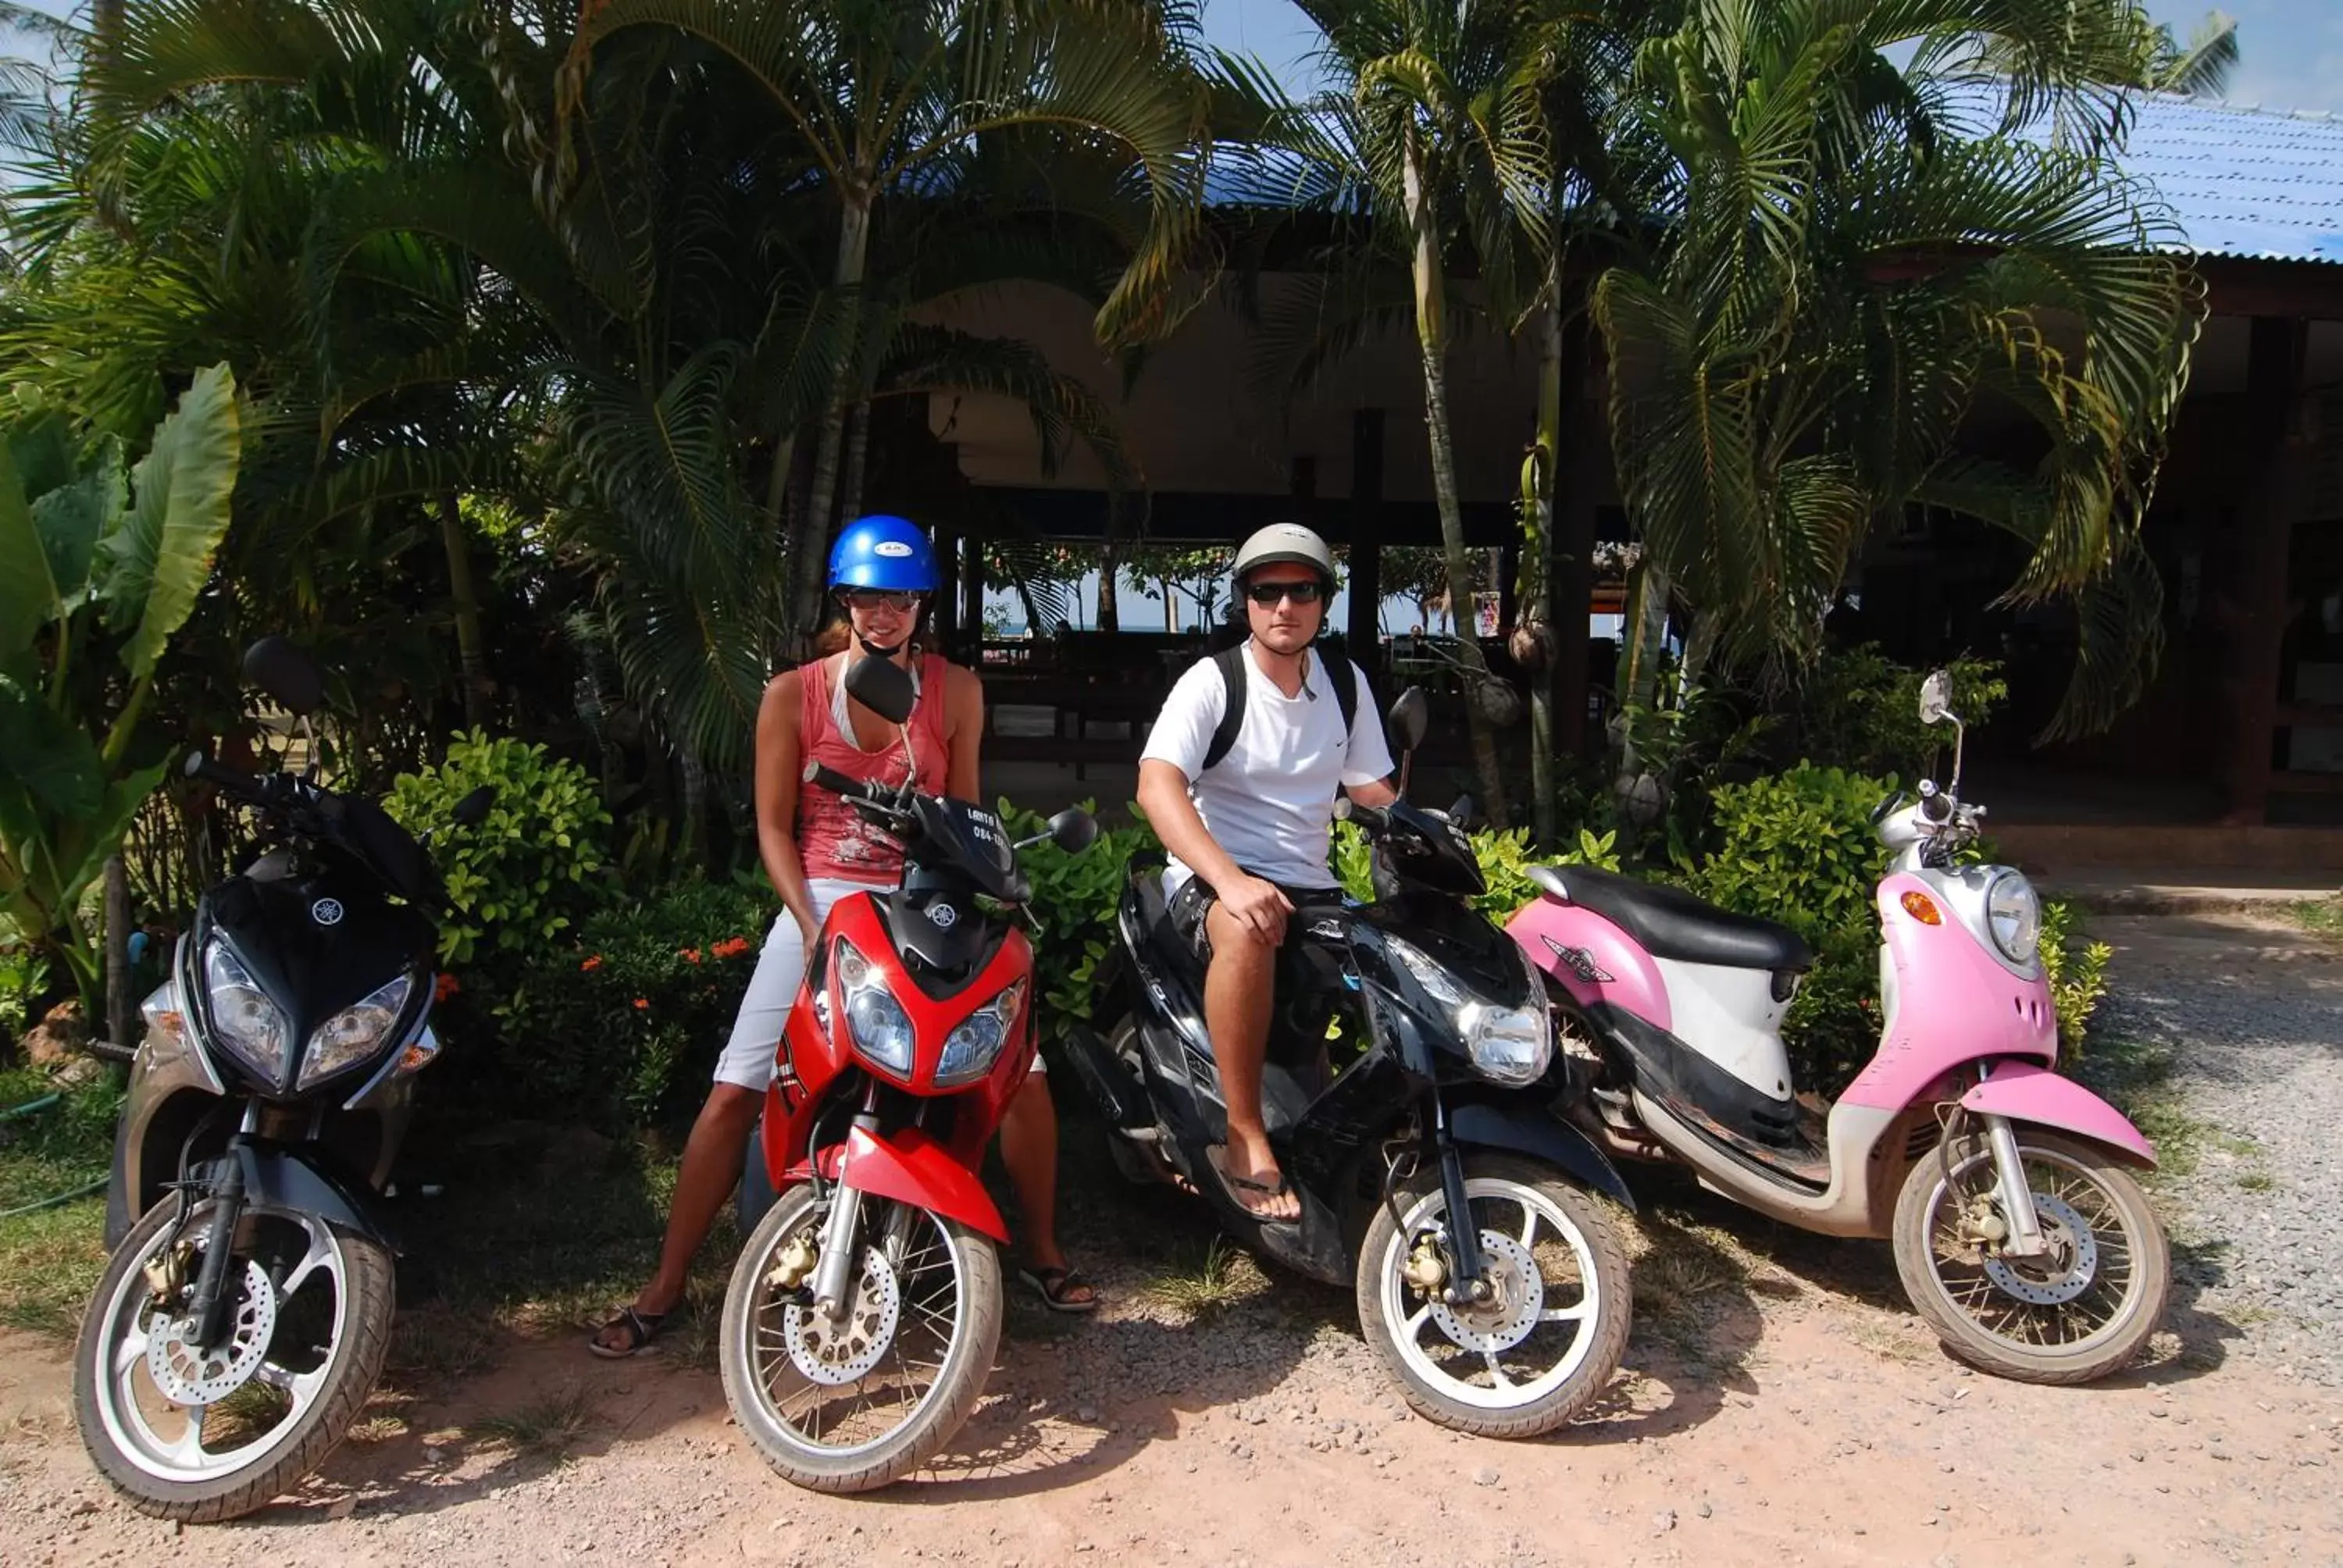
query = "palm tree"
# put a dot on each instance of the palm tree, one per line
(2199, 68)
(1433, 140)
(892, 101)
(1857, 258)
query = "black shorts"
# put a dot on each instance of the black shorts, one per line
(1196, 898)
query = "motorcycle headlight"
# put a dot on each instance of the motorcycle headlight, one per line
(1509, 1044)
(2013, 913)
(354, 1033)
(244, 1018)
(975, 1045)
(881, 1028)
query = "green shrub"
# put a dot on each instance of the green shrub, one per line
(1798, 848)
(528, 873)
(2077, 970)
(1074, 901)
(620, 1027)
(1859, 710)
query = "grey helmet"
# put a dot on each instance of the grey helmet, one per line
(1281, 543)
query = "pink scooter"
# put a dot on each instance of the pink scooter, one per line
(2019, 1233)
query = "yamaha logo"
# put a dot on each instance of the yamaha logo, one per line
(893, 549)
(943, 917)
(327, 911)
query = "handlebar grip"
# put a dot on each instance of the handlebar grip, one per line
(1369, 818)
(1937, 807)
(222, 777)
(837, 783)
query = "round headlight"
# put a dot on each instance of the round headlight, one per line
(2013, 912)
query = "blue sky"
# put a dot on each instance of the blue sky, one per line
(2293, 48)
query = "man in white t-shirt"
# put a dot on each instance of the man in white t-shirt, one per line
(1249, 832)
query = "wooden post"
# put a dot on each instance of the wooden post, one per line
(943, 615)
(2261, 548)
(971, 591)
(1573, 539)
(118, 1012)
(1366, 586)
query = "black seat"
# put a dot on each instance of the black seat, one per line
(1673, 924)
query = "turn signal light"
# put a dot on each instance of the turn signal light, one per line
(418, 1056)
(1922, 909)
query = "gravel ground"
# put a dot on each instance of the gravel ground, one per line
(2252, 1011)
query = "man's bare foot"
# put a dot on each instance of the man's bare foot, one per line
(1262, 1190)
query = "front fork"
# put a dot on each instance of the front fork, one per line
(836, 1263)
(2024, 1238)
(1467, 1284)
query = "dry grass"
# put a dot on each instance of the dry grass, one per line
(1202, 1283)
(546, 1428)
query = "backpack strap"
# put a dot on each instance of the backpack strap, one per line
(1230, 662)
(1341, 674)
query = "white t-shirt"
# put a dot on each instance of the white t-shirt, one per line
(1270, 803)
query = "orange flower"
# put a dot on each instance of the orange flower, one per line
(643, 1003)
(590, 965)
(730, 947)
(444, 988)
(691, 955)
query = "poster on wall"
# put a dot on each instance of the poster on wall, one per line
(1484, 614)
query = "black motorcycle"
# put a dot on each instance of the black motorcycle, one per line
(243, 1315)
(1446, 1104)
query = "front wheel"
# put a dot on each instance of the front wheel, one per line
(854, 1403)
(1546, 1341)
(2081, 1310)
(200, 1433)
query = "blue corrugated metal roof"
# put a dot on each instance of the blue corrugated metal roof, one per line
(2241, 181)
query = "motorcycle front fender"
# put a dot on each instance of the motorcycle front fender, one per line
(286, 1178)
(910, 1167)
(1541, 1135)
(2022, 1091)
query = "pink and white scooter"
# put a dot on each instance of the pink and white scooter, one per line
(2019, 1233)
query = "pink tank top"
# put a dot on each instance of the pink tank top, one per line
(831, 839)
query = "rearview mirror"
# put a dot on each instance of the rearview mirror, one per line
(1460, 813)
(1935, 697)
(473, 809)
(884, 687)
(286, 675)
(1410, 717)
(1073, 830)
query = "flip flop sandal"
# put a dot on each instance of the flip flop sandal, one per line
(641, 1329)
(1237, 1187)
(1052, 1285)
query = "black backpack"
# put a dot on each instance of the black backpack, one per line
(1233, 664)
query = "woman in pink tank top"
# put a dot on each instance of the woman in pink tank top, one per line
(817, 850)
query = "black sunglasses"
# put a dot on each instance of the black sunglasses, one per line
(873, 599)
(1307, 590)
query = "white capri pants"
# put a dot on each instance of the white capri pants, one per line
(748, 1058)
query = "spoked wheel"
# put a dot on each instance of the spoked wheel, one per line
(199, 1433)
(2080, 1311)
(1546, 1341)
(855, 1403)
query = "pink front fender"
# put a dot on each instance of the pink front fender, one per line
(2024, 1093)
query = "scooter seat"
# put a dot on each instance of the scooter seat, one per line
(1673, 924)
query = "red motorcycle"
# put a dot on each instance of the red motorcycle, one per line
(865, 1309)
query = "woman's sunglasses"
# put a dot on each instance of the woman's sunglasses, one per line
(876, 599)
(1306, 591)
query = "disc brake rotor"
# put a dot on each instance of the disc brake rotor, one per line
(834, 1352)
(187, 1376)
(1517, 1295)
(2070, 1260)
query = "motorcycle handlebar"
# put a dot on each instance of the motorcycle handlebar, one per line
(1371, 820)
(228, 780)
(1937, 807)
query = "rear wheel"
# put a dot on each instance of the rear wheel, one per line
(2082, 1310)
(854, 1403)
(1547, 1341)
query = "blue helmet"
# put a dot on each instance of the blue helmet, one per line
(883, 552)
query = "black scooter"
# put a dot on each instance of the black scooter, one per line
(242, 1319)
(1505, 1326)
